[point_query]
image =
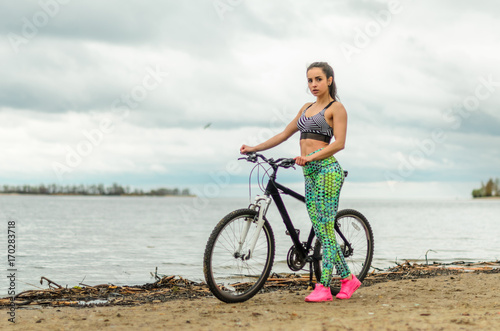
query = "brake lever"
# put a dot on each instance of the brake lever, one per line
(250, 157)
(290, 165)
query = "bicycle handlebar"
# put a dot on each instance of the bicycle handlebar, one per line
(281, 162)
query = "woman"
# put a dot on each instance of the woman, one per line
(318, 122)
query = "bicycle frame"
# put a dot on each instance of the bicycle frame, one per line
(273, 191)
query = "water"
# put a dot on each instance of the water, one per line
(122, 240)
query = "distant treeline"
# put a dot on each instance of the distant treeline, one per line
(98, 189)
(490, 189)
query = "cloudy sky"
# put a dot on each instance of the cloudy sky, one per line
(163, 93)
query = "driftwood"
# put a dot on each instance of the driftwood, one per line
(167, 288)
(407, 270)
(49, 282)
(174, 287)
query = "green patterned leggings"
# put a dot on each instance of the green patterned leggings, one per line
(323, 181)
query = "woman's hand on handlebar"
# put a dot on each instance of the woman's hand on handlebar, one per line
(301, 160)
(247, 149)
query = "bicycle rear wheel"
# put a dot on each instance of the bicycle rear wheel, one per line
(358, 256)
(231, 274)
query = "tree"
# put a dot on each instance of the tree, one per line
(43, 190)
(488, 190)
(100, 189)
(491, 188)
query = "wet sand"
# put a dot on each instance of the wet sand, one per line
(465, 301)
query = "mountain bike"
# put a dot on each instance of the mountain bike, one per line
(240, 250)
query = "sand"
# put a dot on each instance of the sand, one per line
(466, 301)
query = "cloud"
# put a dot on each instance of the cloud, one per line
(243, 70)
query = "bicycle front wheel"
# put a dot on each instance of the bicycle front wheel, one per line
(357, 247)
(232, 272)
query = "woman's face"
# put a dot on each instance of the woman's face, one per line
(317, 82)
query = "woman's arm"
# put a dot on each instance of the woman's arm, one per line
(339, 132)
(289, 130)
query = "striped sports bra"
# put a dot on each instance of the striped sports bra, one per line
(315, 127)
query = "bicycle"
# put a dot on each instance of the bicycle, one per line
(240, 250)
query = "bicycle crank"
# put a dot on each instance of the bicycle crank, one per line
(295, 262)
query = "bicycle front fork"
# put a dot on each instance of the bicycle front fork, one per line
(261, 205)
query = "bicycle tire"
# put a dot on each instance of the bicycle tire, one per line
(357, 230)
(230, 278)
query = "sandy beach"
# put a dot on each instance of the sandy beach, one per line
(464, 301)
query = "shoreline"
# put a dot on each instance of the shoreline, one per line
(171, 288)
(99, 195)
(408, 297)
(486, 198)
(195, 196)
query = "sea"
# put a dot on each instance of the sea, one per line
(92, 240)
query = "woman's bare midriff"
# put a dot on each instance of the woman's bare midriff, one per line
(307, 146)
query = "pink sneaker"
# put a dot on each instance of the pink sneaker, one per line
(348, 287)
(319, 294)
